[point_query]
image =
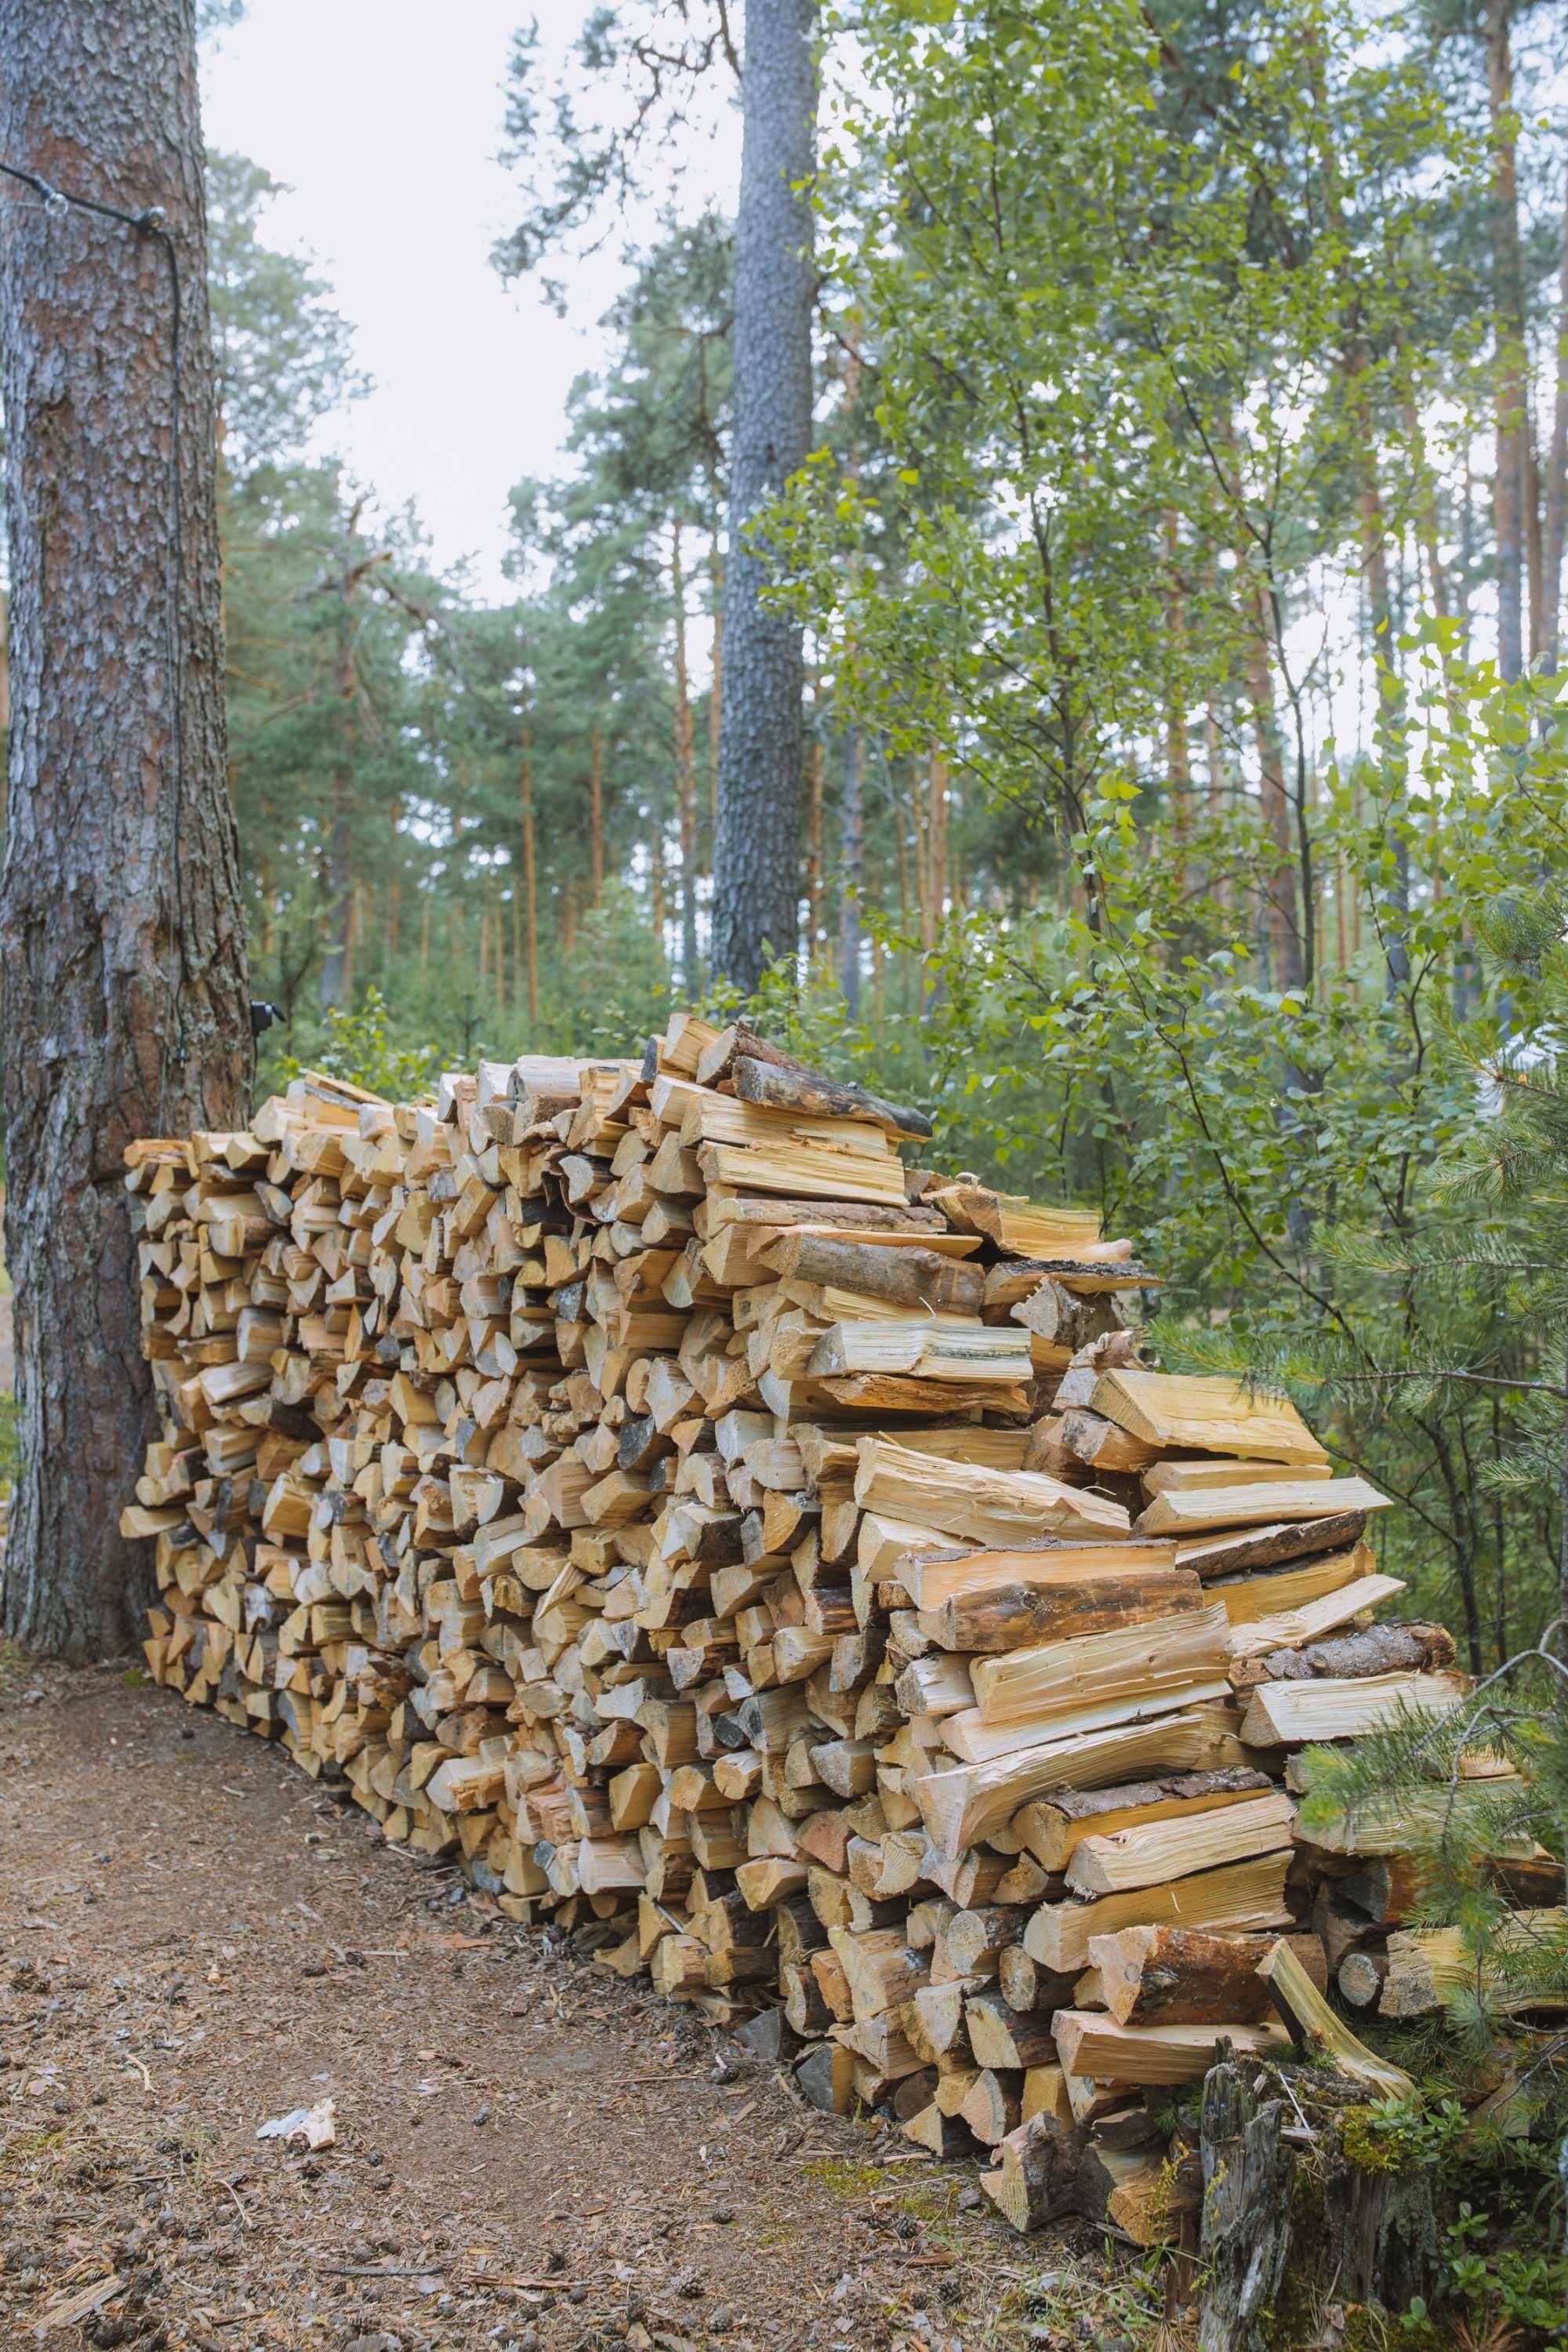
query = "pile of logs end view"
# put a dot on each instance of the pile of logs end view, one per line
(640, 1483)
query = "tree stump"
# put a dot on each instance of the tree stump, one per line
(1380, 2234)
(1366, 2236)
(1249, 2174)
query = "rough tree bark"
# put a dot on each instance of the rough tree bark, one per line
(127, 1001)
(756, 886)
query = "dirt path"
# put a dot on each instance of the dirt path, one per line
(530, 2153)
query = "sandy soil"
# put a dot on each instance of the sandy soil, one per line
(194, 1938)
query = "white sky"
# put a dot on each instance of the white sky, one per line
(383, 119)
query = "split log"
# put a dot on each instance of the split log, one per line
(1314, 2025)
(1156, 1853)
(1180, 1976)
(1104, 2051)
(1053, 1827)
(1045, 2173)
(1011, 1616)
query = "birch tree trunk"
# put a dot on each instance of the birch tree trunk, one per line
(127, 999)
(756, 864)
(1508, 307)
(1557, 471)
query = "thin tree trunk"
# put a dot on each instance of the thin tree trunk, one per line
(685, 771)
(1557, 470)
(339, 837)
(851, 846)
(1508, 306)
(716, 691)
(127, 996)
(351, 941)
(1388, 723)
(813, 843)
(936, 859)
(1178, 752)
(756, 865)
(529, 866)
(1534, 552)
(1467, 559)
(656, 878)
(1340, 908)
(596, 813)
(1427, 510)
(1281, 924)
(1213, 759)
(394, 885)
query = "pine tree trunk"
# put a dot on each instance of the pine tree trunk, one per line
(127, 998)
(757, 858)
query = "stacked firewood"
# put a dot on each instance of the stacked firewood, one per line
(783, 1564)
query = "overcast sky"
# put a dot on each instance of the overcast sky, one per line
(383, 118)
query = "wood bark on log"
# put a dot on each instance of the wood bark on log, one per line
(1179, 1976)
(912, 1277)
(778, 1087)
(1010, 1616)
(127, 1001)
(1379, 1650)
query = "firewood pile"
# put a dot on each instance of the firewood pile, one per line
(782, 1565)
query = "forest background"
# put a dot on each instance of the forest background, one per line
(1180, 562)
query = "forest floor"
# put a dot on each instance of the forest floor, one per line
(530, 2152)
